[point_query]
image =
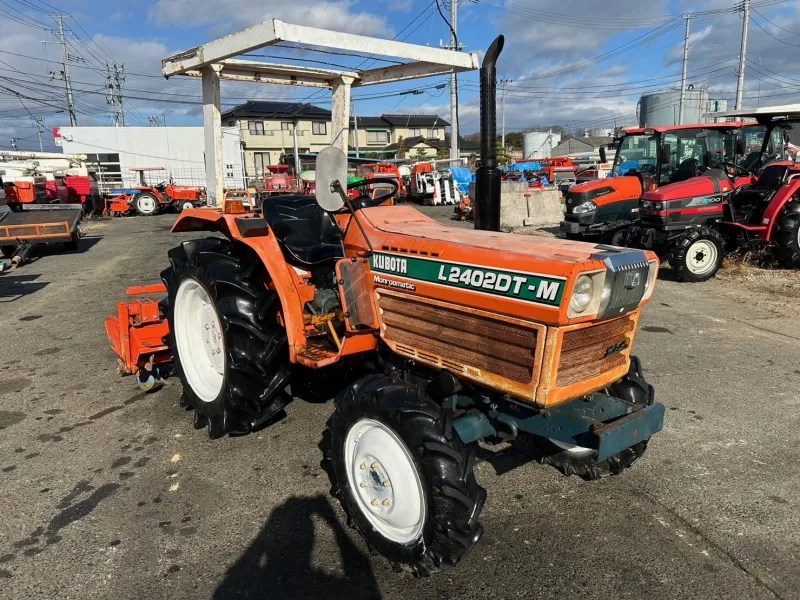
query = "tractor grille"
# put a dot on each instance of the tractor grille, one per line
(592, 351)
(462, 342)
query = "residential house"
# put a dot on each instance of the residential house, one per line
(580, 145)
(381, 135)
(268, 130)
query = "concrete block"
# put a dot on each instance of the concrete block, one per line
(521, 206)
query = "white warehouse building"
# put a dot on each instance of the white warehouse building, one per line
(176, 153)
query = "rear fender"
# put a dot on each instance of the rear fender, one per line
(293, 291)
(784, 195)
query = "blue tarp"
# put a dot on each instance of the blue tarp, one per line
(525, 166)
(462, 176)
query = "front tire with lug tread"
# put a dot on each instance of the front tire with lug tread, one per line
(575, 460)
(697, 255)
(229, 351)
(387, 439)
(787, 235)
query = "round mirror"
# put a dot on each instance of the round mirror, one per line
(331, 176)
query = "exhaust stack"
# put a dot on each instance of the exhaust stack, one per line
(487, 177)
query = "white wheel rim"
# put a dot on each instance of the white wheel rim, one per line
(198, 335)
(616, 239)
(385, 481)
(146, 204)
(701, 257)
(572, 448)
(187, 205)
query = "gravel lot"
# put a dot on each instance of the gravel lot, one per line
(110, 493)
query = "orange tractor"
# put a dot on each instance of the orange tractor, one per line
(148, 200)
(456, 336)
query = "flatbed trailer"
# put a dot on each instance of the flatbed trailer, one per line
(25, 226)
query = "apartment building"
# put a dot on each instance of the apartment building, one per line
(376, 133)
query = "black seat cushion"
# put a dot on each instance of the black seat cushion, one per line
(307, 234)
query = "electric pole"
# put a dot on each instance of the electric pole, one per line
(453, 83)
(39, 124)
(65, 62)
(355, 129)
(503, 82)
(114, 78)
(742, 54)
(685, 64)
(14, 143)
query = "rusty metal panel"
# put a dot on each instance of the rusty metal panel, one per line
(355, 291)
(592, 351)
(472, 343)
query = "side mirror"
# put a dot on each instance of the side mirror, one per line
(603, 156)
(664, 153)
(740, 149)
(331, 178)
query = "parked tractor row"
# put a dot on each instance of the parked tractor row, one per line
(693, 193)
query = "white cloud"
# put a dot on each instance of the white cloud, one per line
(401, 5)
(227, 16)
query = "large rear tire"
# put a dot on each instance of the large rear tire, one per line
(403, 476)
(787, 235)
(697, 255)
(229, 351)
(146, 205)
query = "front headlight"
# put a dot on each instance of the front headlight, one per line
(584, 207)
(582, 294)
(645, 204)
(652, 273)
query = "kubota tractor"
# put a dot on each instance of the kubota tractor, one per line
(743, 203)
(459, 336)
(646, 159)
(148, 200)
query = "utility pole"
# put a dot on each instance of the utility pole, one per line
(39, 124)
(14, 143)
(65, 62)
(742, 54)
(503, 82)
(685, 64)
(355, 128)
(453, 84)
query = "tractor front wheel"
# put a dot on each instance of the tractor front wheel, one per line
(229, 351)
(787, 235)
(146, 205)
(403, 476)
(581, 461)
(697, 255)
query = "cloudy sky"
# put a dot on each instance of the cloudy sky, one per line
(579, 63)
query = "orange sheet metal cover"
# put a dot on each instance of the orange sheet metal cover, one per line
(625, 188)
(409, 238)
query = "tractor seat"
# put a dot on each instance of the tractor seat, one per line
(308, 235)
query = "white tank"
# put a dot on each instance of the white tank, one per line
(538, 144)
(662, 108)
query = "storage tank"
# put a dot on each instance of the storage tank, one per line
(717, 106)
(538, 144)
(662, 108)
(602, 132)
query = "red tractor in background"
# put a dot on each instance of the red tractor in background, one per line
(148, 200)
(752, 201)
(384, 171)
(277, 181)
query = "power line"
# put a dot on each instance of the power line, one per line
(757, 24)
(775, 24)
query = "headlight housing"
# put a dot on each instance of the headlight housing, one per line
(645, 204)
(652, 274)
(586, 294)
(584, 207)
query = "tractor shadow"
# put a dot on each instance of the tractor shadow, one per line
(13, 287)
(279, 563)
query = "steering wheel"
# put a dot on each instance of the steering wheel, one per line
(732, 170)
(363, 200)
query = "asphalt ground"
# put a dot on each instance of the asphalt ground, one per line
(106, 492)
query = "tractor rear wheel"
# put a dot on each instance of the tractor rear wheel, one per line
(146, 205)
(403, 476)
(229, 351)
(787, 235)
(697, 255)
(580, 461)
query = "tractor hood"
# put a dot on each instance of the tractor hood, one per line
(690, 188)
(414, 252)
(604, 191)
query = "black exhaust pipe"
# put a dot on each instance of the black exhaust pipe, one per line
(487, 178)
